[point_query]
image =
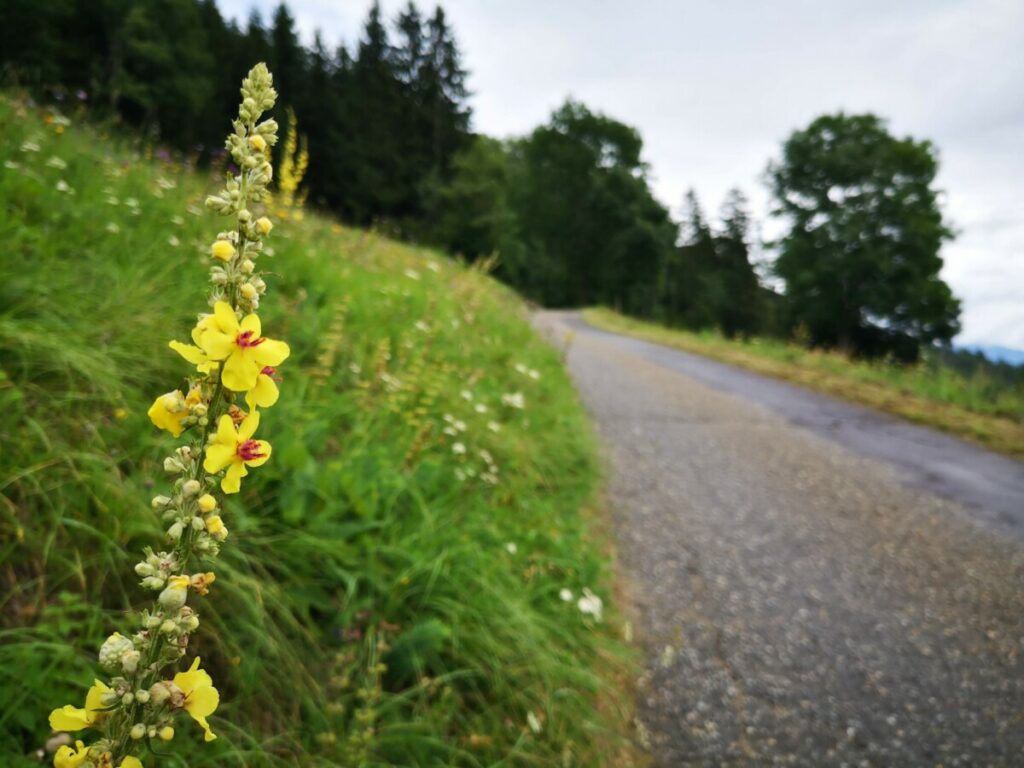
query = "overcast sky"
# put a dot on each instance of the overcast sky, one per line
(714, 88)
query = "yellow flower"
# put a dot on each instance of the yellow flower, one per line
(207, 503)
(265, 393)
(241, 346)
(258, 143)
(216, 528)
(69, 718)
(201, 582)
(131, 762)
(194, 354)
(201, 698)
(235, 450)
(168, 411)
(222, 250)
(264, 225)
(67, 757)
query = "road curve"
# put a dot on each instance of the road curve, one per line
(816, 584)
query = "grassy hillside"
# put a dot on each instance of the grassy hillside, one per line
(974, 408)
(391, 592)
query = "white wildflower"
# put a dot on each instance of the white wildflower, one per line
(459, 425)
(112, 228)
(590, 604)
(466, 394)
(514, 400)
(29, 146)
(533, 374)
(480, 408)
(412, 274)
(56, 162)
(565, 595)
(511, 548)
(63, 186)
(494, 426)
(421, 326)
(458, 449)
(533, 722)
(433, 266)
(173, 241)
(11, 165)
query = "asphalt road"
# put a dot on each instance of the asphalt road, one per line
(816, 584)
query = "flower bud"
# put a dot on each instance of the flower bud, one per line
(168, 626)
(144, 569)
(128, 698)
(113, 649)
(166, 733)
(159, 502)
(138, 731)
(109, 698)
(207, 503)
(197, 523)
(142, 696)
(264, 225)
(216, 528)
(152, 622)
(258, 143)
(175, 593)
(244, 215)
(249, 104)
(130, 662)
(247, 266)
(175, 531)
(190, 488)
(159, 693)
(249, 291)
(199, 409)
(173, 466)
(153, 582)
(222, 250)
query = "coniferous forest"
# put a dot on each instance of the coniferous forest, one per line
(567, 209)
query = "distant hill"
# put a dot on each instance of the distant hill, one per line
(996, 354)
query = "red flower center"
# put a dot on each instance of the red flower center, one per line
(246, 340)
(269, 371)
(249, 450)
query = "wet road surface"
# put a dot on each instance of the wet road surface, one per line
(816, 584)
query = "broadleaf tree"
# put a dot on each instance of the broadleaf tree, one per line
(861, 259)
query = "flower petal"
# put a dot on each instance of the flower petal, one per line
(240, 371)
(265, 450)
(194, 355)
(271, 352)
(69, 718)
(264, 394)
(251, 323)
(202, 701)
(226, 434)
(226, 318)
(248, 426)
(218, 344)
(232, 481)
(218, 456)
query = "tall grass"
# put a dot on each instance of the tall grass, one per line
(974, 407)
(392, 593)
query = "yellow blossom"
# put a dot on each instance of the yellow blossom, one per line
(131, 762)
(201, 582)
(67, 757)
(194, 354)
(244, 351)
(207, 503)
(264, 225)
(235, 450)
(201, 698)
(258, 143)
(170, 409)
(222, 250)
(69, 718)
(166, 733)
(265, 393)
(216, 528)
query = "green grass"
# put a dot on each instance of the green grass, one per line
(975, 407)
(365, 540)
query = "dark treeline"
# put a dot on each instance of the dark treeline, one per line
(568, 208)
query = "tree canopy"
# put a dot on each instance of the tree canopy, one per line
(861, 259)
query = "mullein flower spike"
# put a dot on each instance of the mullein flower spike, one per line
(231, 358)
